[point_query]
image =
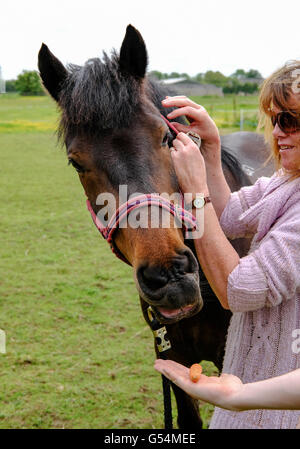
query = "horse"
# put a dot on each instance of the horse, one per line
(112, 127)
(252, 151)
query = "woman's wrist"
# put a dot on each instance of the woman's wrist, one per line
(250, 396)
(239, 400)
(212, 154)
(199, 190)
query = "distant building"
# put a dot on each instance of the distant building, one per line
(187, 87)
(2, 83)
(243, 80)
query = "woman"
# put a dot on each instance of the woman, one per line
(263, 288)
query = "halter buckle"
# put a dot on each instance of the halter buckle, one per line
(160, 333)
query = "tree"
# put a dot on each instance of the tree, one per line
(253, 74)
(239, 73)
(28, 83)
(185, 75)
(156, 74)
(216, 78)
(174, 75)
(10, 86)
(199, 77)
(249, 88)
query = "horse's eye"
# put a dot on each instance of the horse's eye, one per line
(77, 167)
(170, 139)
(166, 139)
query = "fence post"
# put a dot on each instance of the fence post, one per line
(241, 119)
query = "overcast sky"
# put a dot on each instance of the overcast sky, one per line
(183, 36)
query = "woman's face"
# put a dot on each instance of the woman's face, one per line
(288, 144)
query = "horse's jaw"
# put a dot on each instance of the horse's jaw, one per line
(171, 316)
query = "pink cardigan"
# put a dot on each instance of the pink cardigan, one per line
(263, 294)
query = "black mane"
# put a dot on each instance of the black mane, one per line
(97, 97)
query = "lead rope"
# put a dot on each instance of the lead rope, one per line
(163, 344)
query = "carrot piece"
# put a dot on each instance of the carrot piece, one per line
(195, 372)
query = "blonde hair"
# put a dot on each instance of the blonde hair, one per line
(278, 90)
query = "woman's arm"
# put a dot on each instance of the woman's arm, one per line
(227, 391)
(218, 188)
(202, 124)
(216, 255)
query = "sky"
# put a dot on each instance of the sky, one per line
(181, 36)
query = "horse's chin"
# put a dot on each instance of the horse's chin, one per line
(170, 316)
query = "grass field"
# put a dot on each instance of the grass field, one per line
(79, 354)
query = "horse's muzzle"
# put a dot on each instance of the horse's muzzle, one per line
(173, 291)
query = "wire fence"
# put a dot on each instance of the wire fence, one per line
(243, 119)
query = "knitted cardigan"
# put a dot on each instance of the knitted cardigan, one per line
(263, 294)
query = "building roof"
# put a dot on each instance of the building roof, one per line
(173, 80)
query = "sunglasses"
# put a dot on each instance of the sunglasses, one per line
(287, 122)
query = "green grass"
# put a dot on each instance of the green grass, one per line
(68, 306)
(226, 111)
(79, 354)
(27, 114)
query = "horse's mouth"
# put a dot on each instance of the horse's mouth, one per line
(169, 316)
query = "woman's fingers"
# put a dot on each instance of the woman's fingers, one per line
(171, 367)
(182, 140)
(181, 128)
(178, 144)
(179, 101)
(195, 114)
(176, 373)
(186, 107)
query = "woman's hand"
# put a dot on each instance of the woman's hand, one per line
(189, 165)
(200, 122)
(220, 391)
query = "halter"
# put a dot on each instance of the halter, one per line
(187, 220)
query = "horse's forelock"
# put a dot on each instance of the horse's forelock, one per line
(97, 96)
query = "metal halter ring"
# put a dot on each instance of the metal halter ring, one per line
(195, 138)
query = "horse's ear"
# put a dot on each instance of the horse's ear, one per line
(133, 53)
(52, 71)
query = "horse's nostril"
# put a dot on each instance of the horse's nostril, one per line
(185, 263)
(181, 265)
(153, 277)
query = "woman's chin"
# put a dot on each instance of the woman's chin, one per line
(289, 165)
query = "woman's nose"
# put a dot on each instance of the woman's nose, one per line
(277, 132)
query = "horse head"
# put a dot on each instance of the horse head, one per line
(115, 137)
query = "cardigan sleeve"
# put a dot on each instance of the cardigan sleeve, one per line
(270, 274)
(238, 203)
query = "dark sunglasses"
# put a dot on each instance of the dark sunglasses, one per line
(287, 122)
